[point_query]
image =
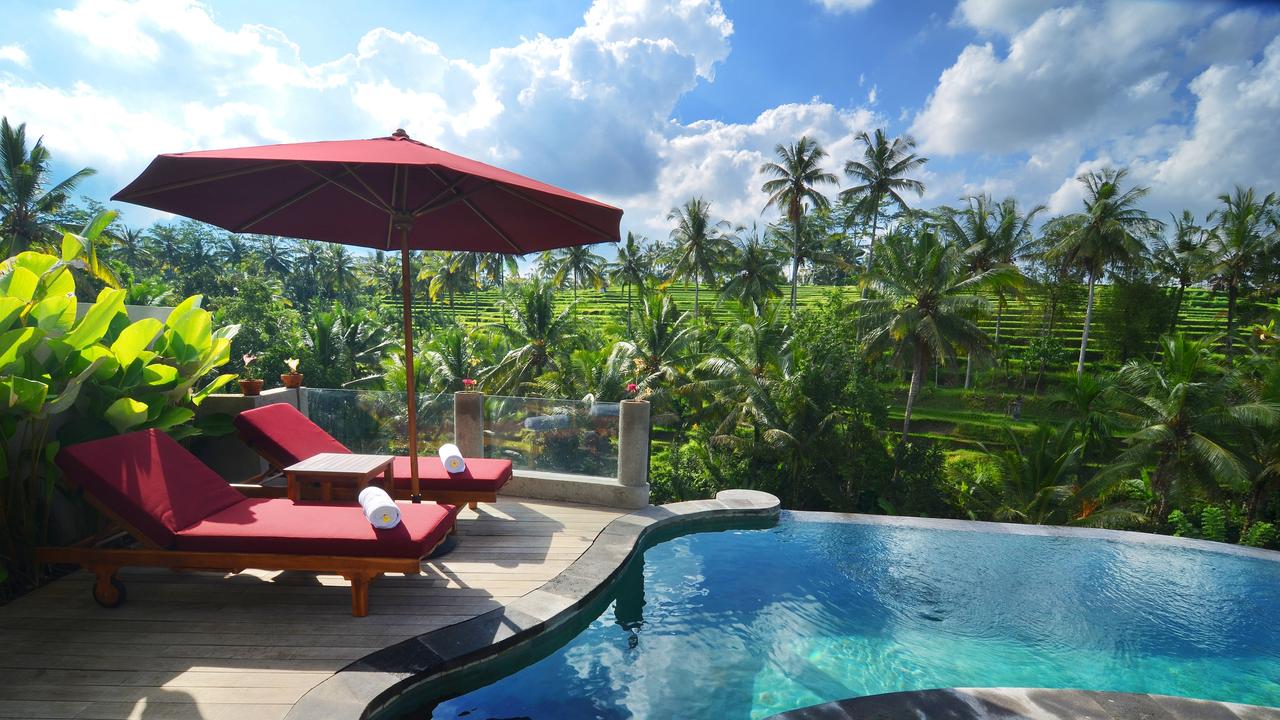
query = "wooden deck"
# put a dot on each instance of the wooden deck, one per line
(204, 645)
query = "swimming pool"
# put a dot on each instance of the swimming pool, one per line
(747, 623)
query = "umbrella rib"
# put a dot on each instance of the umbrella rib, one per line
(437, 204)
(497, 230)
(281, 206)
(375, 202)
(425, 207)
(373, 193)
(209, 178)
(558, 213)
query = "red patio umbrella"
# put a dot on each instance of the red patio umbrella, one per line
(383, 193)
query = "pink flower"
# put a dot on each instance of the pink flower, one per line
(468, 383)
(632, 387)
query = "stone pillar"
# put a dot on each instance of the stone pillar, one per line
(229, 457)
(633, 443)
(468, 423)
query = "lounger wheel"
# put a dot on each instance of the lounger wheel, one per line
(111, 596)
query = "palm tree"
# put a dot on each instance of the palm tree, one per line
(1245, 231)
(925, 307)
(1041, 481)
(1086, 402)
(578, 265)
(339, 269)
(1186, 412)
(276, 257)
(661, 347)
(496, 267)
(451, 356)
(231, 249)
(1181, 258)
(756, 348)
(756, 275)
(881, 175)
(1111, 231)
(631, 268)
(132, 247)
(793, 190)
(698, 243)
(449, 274)
(534, 330)
(989, 236)
(27, 206)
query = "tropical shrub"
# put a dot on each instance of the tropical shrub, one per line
(1259, 534)
(64, 380)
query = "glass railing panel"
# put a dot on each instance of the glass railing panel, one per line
(568, 436)
(376, 421)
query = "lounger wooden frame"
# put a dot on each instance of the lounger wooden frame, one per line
(104, 563)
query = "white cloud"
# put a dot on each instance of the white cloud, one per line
(1001, 16)
(844, 6)
(14, 54)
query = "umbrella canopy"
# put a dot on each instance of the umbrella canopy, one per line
(354, 192)
(384, 193)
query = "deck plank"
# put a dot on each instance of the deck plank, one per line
(242, 647)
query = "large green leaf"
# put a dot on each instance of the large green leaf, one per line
(15, 344)
(55, 315)
(72, 389)
(19, 393)
(72, 246)
(10, 308)
(96, 322)
(134, 339)
(155, 375)
(171, 417)
(23, 284)
(182, 309)
(214, 386)
(106, 362)
(126, 413)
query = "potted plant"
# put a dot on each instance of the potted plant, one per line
(250, 386)
(293, 378)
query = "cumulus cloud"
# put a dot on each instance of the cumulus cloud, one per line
(844, 6)
(14, 54)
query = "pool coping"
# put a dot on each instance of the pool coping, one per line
(1040, 703)
(1125, 536)
(367, 686)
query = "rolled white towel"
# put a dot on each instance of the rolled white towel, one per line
(451, 456)
(379, 509)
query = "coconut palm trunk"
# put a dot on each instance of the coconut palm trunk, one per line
(1088, 319)
(1232, 292)
(1177, 307)
(917, 375)
(795, 256)
(968, 370)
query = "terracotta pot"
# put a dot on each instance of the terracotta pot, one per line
(291, 380)
(249, 388)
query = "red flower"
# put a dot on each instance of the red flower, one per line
(632, 387)
(468, 383)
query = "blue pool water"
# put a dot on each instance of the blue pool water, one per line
(744, 624)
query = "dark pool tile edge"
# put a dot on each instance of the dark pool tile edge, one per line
(1125, 536)
(1038, 703)
(369, 684)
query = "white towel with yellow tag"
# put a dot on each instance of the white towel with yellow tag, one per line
(379, 509)
(451, 456)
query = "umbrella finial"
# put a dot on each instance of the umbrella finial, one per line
(400, 133)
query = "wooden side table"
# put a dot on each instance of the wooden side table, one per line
(342, 467)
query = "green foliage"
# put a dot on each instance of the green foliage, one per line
(1182, 527)
(100, 375)
(1213, 523)
(1259, 534)
(1134, 316)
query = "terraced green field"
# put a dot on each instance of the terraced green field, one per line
(1203, 312)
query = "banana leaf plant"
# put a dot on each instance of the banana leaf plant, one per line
(65, 380)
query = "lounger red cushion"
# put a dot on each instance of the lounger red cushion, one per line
(481, 475)
(282, 526)
(283, 435)
(150, 481)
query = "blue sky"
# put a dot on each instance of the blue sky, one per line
(645, 103)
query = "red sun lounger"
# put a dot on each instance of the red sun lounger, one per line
(283, 436)
(183, 515)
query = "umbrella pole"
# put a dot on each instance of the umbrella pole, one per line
(411, 392)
